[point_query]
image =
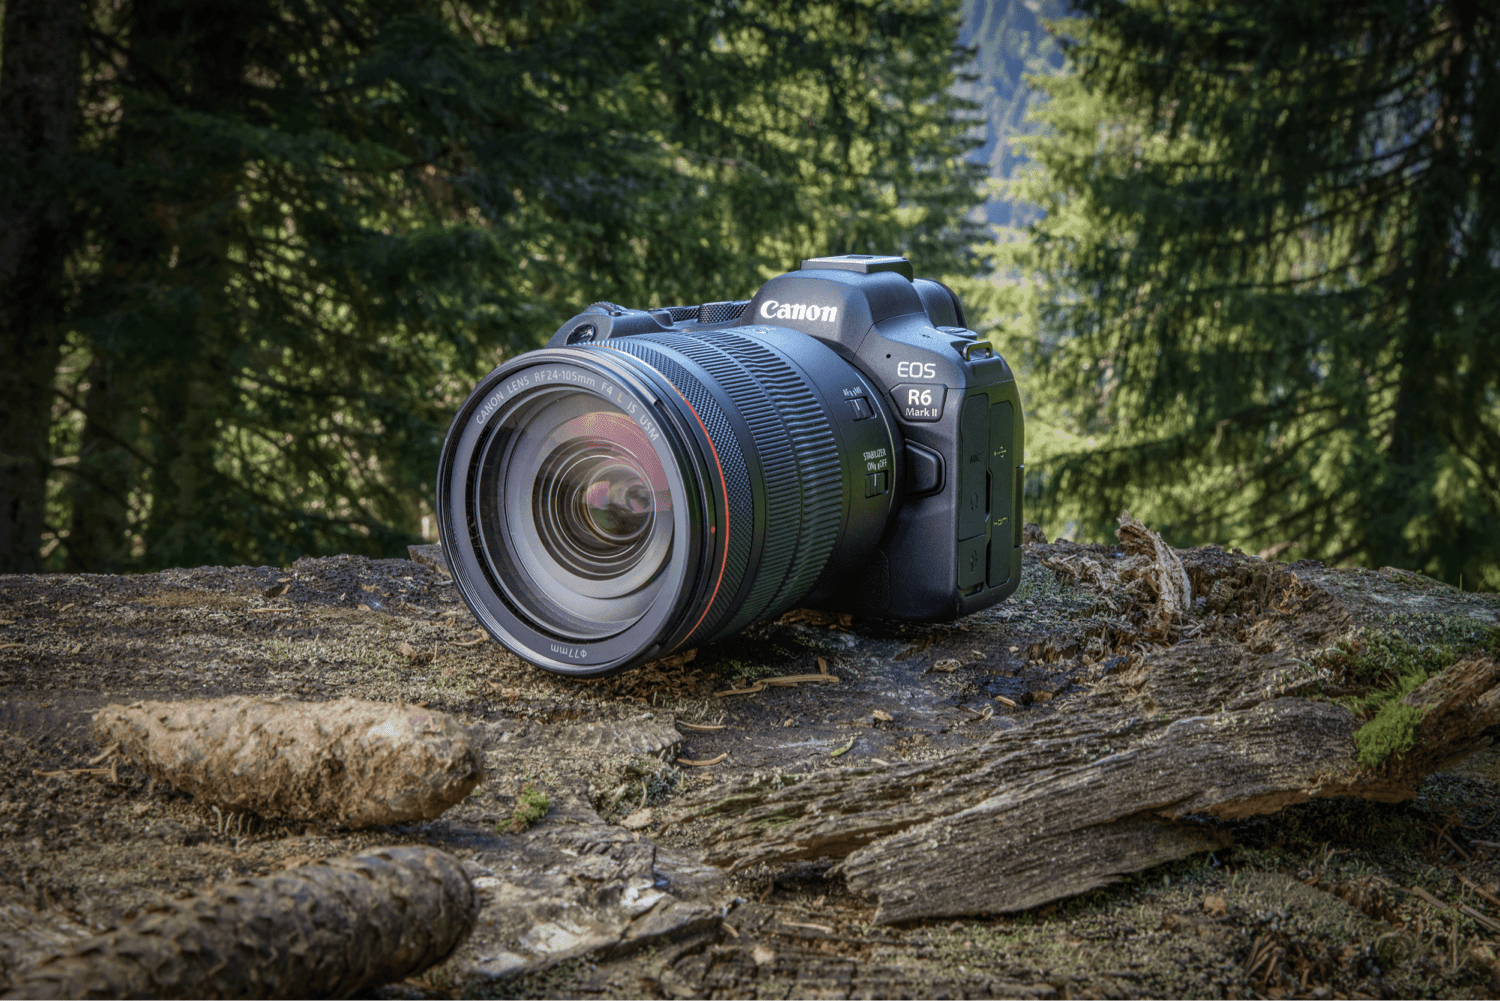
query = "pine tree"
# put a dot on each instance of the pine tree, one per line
(1010, 43)
(1273, 237)
(295, 233)
(38, 101)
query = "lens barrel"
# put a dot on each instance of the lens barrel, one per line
(605, 504)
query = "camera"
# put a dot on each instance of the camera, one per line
(654, 479)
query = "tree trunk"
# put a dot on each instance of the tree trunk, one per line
(1424, 404)
(99, 534)
(38, 106)
(198, 50)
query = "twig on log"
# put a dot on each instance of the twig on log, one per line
(1430, 900)
(825, 929)
(109, 751)
(703, 764)
(60, 772)
(1480, 827)
(785, 679)
(1487, 923)
(1477, 888)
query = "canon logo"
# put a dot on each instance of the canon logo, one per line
(773, 310)
(490, 406)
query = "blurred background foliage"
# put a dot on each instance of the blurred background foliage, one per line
(1260, 300)
(1243, 255)
(282, 239)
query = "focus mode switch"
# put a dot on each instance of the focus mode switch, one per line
(861, 408)
(924, 470)
(877, 483)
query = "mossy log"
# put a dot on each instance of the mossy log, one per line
(1088, 671)
(348, 761)
(327, 930)
(1195, 722)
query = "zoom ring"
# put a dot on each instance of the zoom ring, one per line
(739, 496)
(801, 480)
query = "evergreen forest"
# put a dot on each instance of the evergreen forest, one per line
(1245, 257)
(1260, 303)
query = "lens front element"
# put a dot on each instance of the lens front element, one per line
(607, 504)
(576, 514)
(594, 499)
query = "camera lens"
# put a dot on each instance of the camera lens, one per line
(575, 514)
(605, 503)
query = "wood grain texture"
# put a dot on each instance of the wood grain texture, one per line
(326, 930)
(1209, 718)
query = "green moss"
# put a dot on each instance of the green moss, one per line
(1383, 660)
(531, 806)
(1387, 666)
(1392, 731)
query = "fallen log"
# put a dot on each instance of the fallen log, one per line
(349, 762)
(327, 930)
(1217, 718)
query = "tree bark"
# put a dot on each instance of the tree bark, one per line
(1217, 725)
(99, 492)
(38, 107)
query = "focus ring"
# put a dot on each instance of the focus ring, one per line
(772, 445)
(818, 474)
(793, 440)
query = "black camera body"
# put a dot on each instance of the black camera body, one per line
(656, 478)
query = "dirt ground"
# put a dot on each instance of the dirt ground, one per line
(1330, 898)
